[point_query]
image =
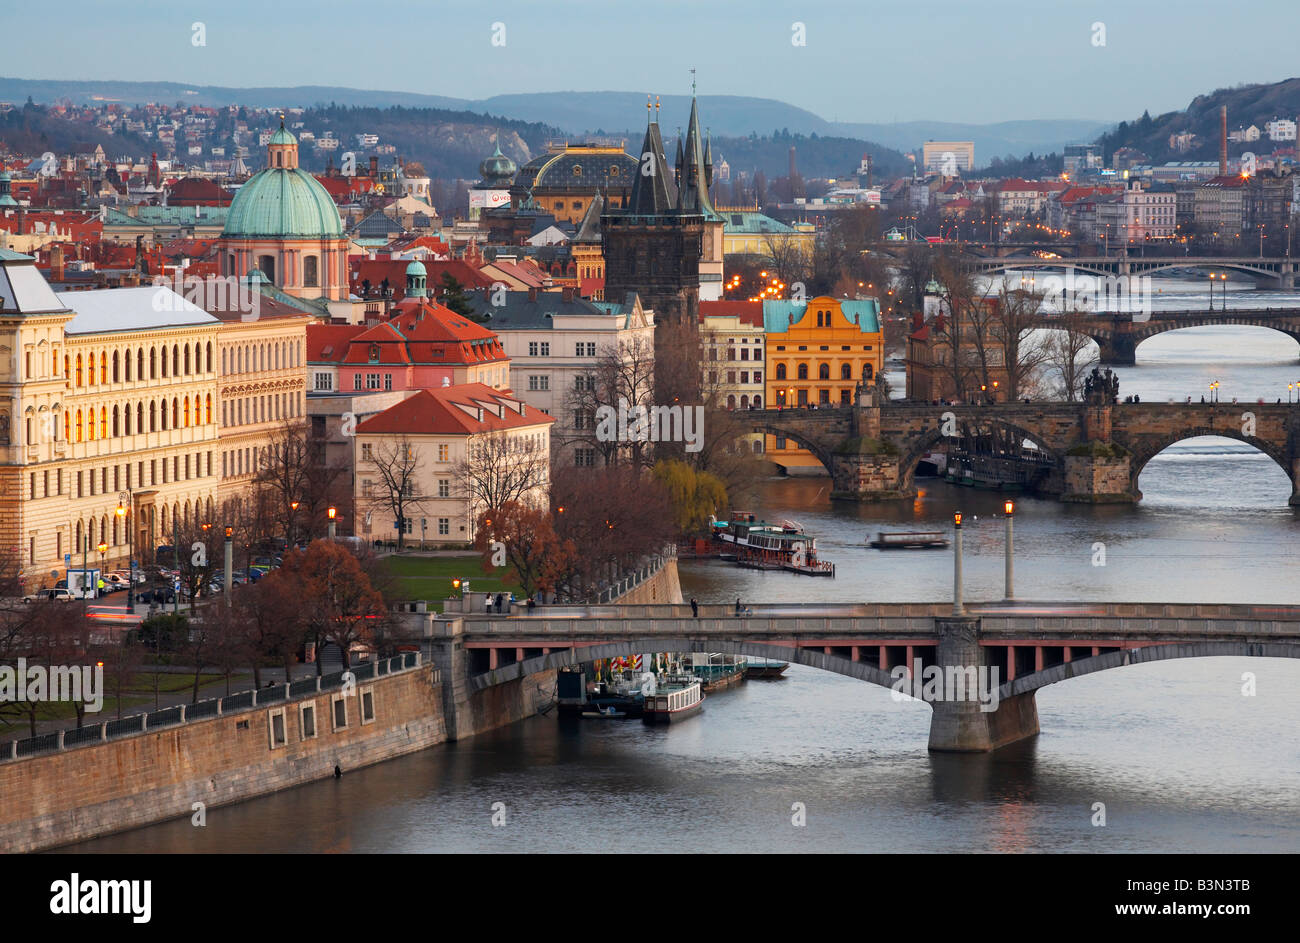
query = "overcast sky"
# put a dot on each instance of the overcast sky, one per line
(952, 60)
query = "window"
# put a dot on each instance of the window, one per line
(323, 382)
(584, 381)
(275, 725)
(366, 455)
(388, 381)
(307, 721)
(367, 705)
(340, 712)
(532, 348)
(539, 383)
(372, 381)
(356, 381)
(444, 487)
(310, 276)
(846, 371)
(803, 371)
(824, 371)
(585, 458)
(758, 376)
(444, 526)
(444, 453)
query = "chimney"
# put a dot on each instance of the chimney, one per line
(374, 166)
(56, 263)
(1223, 140)
(532, 293)
(566, 293)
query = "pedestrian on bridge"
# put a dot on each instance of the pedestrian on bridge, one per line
(695, 608)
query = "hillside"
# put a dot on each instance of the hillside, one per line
(1247, 105)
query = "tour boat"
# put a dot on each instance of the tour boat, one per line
(765, 668)
(716, 670)
(909, 540)
(675, 698)
(764, 546)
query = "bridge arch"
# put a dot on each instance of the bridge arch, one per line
(1145, 655)
(1145, 447)
(818, 449)
(1159, 327)
(927, 440)
(859, 670)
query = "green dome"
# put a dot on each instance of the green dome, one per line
(279, 202)
(416, 268)
(283, 137)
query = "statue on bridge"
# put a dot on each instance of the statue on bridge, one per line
(1101, 388)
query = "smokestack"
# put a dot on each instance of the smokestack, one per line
(56, 262)
(1223, 140)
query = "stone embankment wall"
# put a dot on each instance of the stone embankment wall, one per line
(103, 786)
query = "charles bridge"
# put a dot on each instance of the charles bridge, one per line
(1091, 452)
(1118, 335)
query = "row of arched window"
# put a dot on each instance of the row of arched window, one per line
(159, 415)
(126, 366)
(112, 530)
(248, 358)
(824, 371)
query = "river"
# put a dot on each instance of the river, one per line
(1181, 760)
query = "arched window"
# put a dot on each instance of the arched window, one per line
(153, 363)
(79, 377)
(139, 364)
(117, 428)
(207, 415)
(176, 361)
(209, 358)
(758, 404)
(103, 422)
(67, 430)
(187, 359)
(267, 264)
(846, 371)
(176, 412)
(126, 419)
(866, 371)
(153, 416)
(139, 417)
(309, 271)
(79, 425)
(103, 366)
(117, 376)
(780, 371)
(824, 371)
(744, 402)
(803, 371)
(186, 414)
(731, 401)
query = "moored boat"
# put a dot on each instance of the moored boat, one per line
(675, 698)
(765, 668)
(771, 546)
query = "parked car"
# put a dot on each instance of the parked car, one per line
(62, 595)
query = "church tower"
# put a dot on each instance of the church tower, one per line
(653, 245)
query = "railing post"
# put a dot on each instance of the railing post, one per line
(103, 732)
(318, 684)
(254, 697)
(144, 722)
(60, 740)
(182, 713)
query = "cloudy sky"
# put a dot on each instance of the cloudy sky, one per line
(862, 60)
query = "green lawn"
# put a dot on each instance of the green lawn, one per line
(429, 578)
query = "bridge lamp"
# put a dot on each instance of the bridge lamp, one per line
(957, 609)
(1010, 508)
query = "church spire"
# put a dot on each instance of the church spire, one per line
(693, 197)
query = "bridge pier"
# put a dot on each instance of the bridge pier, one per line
(1117, 349)
(965, 725)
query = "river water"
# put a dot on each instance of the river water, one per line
(1179, 757)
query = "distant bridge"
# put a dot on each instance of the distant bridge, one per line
(1118, 335)
(1031, 645)
(1097, 451)
(1280, 271)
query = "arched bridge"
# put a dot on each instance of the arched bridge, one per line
(1087, 453)
(1279, 271)
(1118, 335)
(1000, 652)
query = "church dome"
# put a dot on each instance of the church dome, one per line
(498, 167)
(283, 201)
(416, 268)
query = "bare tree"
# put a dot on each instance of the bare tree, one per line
(1015, 317)
(789, 261)
(396, 464)
(1068, 354)
(499, 468)
(623, 375)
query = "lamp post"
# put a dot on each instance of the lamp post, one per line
(230, 563)
(333, 513)
(1211, 291)
(103, 549)
(293, 518)
(128, 521)
(1010, 508)
(956, 566)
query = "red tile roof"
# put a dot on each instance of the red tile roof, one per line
(749, 312)
(467, 409)
(328, 343)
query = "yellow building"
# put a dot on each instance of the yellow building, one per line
(746, 231)
(817, 353)
(105, 395)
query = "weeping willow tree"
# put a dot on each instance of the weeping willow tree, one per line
(694, 495)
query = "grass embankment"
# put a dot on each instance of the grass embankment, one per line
(429, 578)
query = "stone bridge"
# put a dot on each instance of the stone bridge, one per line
(1118, 335)
(1019, 647)
(1280, 272)
(1097, 452)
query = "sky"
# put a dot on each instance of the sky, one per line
(860, 60)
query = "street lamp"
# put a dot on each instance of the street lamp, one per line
(956, 565)
(1010, 508)
(332, 512)
(230, 563)
(103, 549)
(123, 504)
(293, 516)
